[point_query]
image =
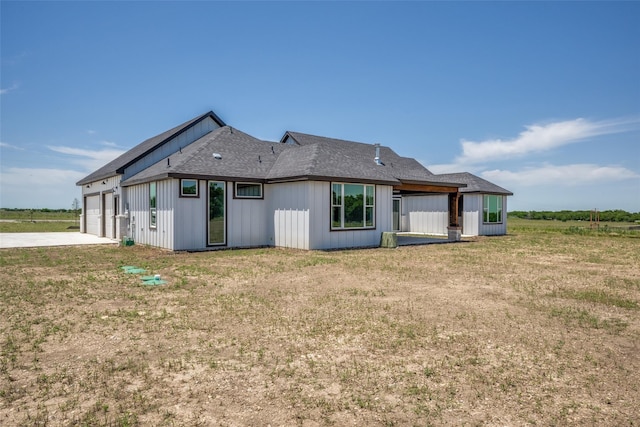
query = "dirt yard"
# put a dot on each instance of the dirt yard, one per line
(529, 329)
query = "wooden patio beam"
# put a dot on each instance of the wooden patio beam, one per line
(425, 188)
(454, 199)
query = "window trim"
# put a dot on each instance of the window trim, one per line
(365, 207)
(189, 196)
(486, 212)
(153, 204)
(235, 190)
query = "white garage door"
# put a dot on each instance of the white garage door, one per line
(92, 214)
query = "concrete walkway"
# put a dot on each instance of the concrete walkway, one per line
(409, 240)
(32, 240)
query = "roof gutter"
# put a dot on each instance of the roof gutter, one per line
(330, 179)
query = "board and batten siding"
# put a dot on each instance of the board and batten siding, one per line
(190, 218)
(172, 146)
(139, 217)
(427, 214)
(288, 214)
(472, 217)
(306, 222)
(302, 217)
(246, 220)
(471, 214)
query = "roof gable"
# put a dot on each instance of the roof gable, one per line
(118, 165)
(241, 156)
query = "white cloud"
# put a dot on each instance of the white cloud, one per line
(91, 132)
(35, 187)
(9, 89)
(534, 139)
(90, 160)
(451, 168)
(109, 144)
(564, 175)
(14, 147)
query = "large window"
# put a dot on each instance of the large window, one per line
(152, 204)
(352, 206)
(248, 190)
(492, 208)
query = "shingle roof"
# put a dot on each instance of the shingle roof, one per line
(317, 156)
(475, 184)
(242, 157)
(309, 157)
(117, 165)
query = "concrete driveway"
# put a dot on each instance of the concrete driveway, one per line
(32, 240)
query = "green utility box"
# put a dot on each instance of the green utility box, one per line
(127, 241)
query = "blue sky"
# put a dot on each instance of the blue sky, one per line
(541, 98)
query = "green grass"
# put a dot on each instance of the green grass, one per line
(516, 225)
(37, 214)
(37, 221)
(38, 226)
(597, 296)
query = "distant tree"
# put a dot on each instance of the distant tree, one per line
(75, 209)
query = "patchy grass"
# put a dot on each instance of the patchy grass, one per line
(531, 328)
(599, 296)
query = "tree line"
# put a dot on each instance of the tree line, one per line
(44, 210)
(616, 215)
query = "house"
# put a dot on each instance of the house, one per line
(204, 185)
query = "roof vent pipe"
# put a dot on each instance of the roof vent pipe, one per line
(377, 157)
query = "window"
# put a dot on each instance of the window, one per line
(492, 208)
(248, 190)
(152, 204)
(352, 206)
(188, 188)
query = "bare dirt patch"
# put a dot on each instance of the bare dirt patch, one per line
(527, 329)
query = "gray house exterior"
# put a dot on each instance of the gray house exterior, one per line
(205, 185)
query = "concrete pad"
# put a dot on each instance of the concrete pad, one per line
(408, 239)
(32, 240)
